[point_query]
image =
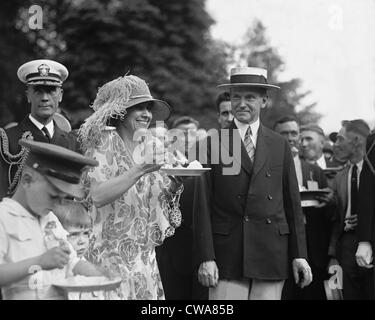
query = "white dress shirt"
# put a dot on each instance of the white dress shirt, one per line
(297, 165)
(321, 162)
(242, 127)
(50, 126)
(349, 183)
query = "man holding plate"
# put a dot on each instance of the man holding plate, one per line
(247, 215)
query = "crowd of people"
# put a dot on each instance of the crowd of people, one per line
(275, 211)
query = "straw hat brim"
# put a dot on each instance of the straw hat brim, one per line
(258, 85)
(160, 109)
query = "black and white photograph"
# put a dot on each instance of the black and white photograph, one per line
(199, 152)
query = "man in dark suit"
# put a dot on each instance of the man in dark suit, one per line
(248, 222)
(44, 79)
(318, 219)
(174, 256)
(366, 207)
(350, 146)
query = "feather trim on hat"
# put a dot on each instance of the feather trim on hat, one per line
(110, 102)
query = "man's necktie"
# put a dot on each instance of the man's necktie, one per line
(46, 133)
(249, 144)
(354, 191)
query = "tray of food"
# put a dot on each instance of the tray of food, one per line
(332, 170)
(87, 284)
(314, 193)
(308, 197)
(193, 168)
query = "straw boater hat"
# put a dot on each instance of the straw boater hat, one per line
(248, 77)
(43, 72)
(112, 101)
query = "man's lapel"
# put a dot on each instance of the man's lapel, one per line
(261, 151)
(243, 158)
(305, 172)
(58, 135)
(344, 188)
(27, 125)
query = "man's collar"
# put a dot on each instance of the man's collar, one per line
(243, 126)
(359, 165)
(50, 126)
(321, 162)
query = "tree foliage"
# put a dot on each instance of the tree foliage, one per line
(257, 52)
(165, 42)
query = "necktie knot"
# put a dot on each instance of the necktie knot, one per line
(248, 132)
(46, 133)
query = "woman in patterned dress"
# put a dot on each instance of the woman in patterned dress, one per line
(132, 205)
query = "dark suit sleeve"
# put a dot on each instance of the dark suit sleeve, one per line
(366, 198)
(336, 226)
(292, 206)
(203, 249)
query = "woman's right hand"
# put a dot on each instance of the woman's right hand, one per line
(148, 167)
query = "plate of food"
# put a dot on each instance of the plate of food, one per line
(194, 168)
(314, 193)
(332, 170)
(87, 284)
(308, 197)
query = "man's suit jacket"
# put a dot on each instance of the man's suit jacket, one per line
(366, 197)
(340, 189)
(251, 222)
(318, 220)
(60, 138)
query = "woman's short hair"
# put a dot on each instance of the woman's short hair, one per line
(72, 214)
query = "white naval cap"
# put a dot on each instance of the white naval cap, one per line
(43, 72)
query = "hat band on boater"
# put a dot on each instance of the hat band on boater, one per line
(248, 78)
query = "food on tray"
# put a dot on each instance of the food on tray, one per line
(195, 165)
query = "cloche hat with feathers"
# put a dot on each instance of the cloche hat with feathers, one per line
(112, 101)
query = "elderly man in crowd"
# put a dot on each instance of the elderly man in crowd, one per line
(318, 220)
(350, 146)
(366, 207)
(312, 145)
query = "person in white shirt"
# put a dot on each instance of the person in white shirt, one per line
(34, 250)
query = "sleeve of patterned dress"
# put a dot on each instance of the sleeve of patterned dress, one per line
(105, 155)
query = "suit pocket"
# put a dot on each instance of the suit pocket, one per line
(220, 228)
(283, 228)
